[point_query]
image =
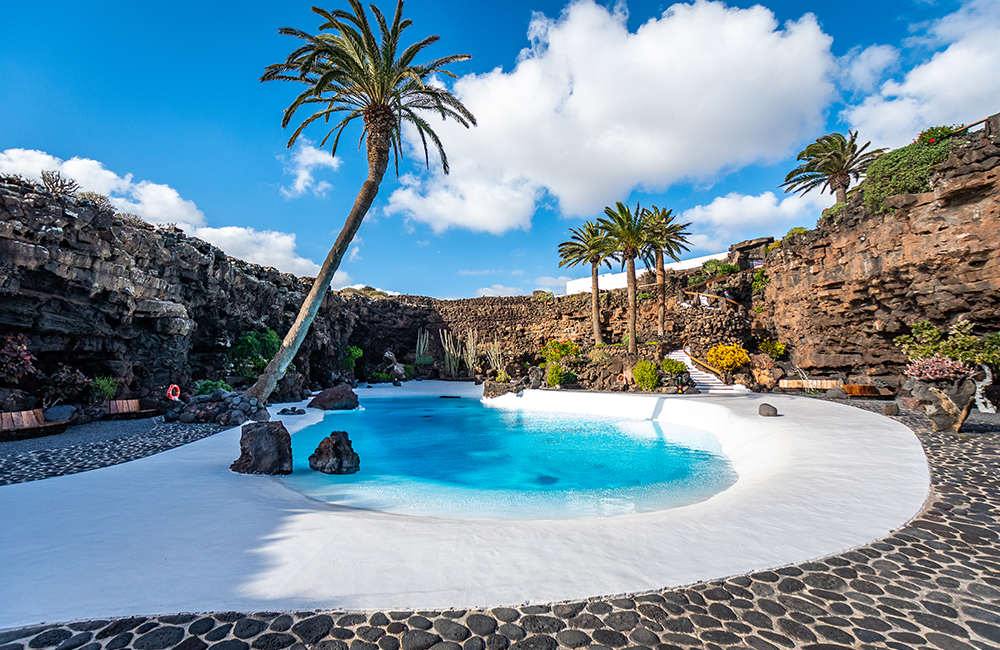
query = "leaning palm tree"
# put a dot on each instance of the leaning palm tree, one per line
(588, 244)
(628, 237)
(830, 162)
(350, 74)
(666, 238)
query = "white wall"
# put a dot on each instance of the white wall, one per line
(609, 281)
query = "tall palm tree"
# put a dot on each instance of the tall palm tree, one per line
(830, 162)
(628, 236)
(351, 74)
(588, 244)
(665, 237)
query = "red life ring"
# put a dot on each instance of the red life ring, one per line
(174, 392)
(621, 378)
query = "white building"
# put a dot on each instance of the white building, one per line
(609, 281)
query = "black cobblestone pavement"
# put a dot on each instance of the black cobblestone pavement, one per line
(934, 584)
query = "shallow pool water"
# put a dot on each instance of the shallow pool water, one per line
(457, 458)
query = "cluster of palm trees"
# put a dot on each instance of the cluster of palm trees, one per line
(623, 235)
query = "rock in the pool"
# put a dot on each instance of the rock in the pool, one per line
(338, 398)
(334, 455)
(265, 448)
(767, 411)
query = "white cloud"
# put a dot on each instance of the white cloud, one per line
(546, 282)
(365, 286)
(959, 84)
(863, 69)
(517, 272)
(478, 272)
(592, 111)
(161, 204)
(731, 218)
(305, 160)
(495, 290)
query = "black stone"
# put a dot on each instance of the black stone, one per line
(282, 623)
(159, 639)
(834, 634)
(388, 643)
(11, 635)
(201, 626)
(610, 638)
(825, 581)
(450, 630)
(939, 609)
(119, 641)
(248, 627)
(780, 639)
(536, 642)
(868, 636)
(757, 619)
(791, 585)
(497, 642)
(177, 619)
(796, 630)
(720, 636)
(273, 641)
(146, 627)
(568, 610)
(228, 617)
(700, 620)
(50, 638)
(573, 638)
(678, 625)
(378, 619)
(653, 613)
(88, 626)
(418, 640)
(721, 612)
(396, 627)
(419, 623)
(939, 624)
(313, 629)
(642, 636)
(358, 644)
(232, 644)
(341, 633)
(991, 632)
(622, 621)
(800, 605)
(481, 624)
(119, 626)
(219, 633)
(350, 620)
(512, 632)
(474, 643)
(75, 641)
(369, 633)
(191, 643)
(505, 614)
(717, 593)
(771, 607)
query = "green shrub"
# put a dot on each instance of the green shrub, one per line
(208, 386)
(63, 385)
(381, 377)
(936, 134)
(712, 268)
(728, 357)
(252, 351)
(760, 279)
(696, 279)
(834, 212)
(646, 375)
(644, 296)
(103, 389)
(424, 361)
(353, 353)
(905, 170)
(408, 371)
(773, 246)
(773, 349)
(794, 232)
(673, 366)
(555, 375)
(599, 356)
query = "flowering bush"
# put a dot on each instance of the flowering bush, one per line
(728, 357)
(555, 350)
(936, 134)
(938, 368)
(773, 349)
(15, 360)
(63, 385)
(646, 375)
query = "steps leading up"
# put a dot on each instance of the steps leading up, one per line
(704, 381)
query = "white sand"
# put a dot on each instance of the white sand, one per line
(179, 532)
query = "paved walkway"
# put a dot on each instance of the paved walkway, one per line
(933, 584)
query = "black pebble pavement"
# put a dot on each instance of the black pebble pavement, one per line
(934, 584)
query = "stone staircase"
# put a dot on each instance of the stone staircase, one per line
(704, 381)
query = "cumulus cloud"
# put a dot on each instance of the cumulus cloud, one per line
(546, 282)
(959, 84)
(478, 272)
(162, 204)
(496, 290)
(733, 217)
(306, 159)
(592, 111)
(863, 69)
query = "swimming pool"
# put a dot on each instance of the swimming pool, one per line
(456, 458)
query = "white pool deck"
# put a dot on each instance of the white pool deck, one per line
(180, 532)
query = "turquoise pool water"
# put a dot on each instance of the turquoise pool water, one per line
(457, 458)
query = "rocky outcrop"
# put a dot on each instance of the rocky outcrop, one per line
(338, 398)
(335, 455)
(841, 293)
(228, 408)
(947, 404)
(265, 448)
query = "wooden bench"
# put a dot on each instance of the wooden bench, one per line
(127, 409)
(809, 384)
(21, 425)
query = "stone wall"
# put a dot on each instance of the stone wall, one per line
(841, 293)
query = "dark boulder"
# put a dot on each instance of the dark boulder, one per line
(338, 398)
(265, 448)
(947, 403)
(334, 455)
(767, 410)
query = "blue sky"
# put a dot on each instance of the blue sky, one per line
(698, 107)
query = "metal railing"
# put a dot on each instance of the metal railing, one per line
(710, 296)
(710, 368)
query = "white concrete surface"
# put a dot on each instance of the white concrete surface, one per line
(608, 281)
(179, 532)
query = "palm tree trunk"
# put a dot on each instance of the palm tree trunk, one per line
(275, 370)
(595, 303)
(841, 195)
(661, 292)
(630, 268)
